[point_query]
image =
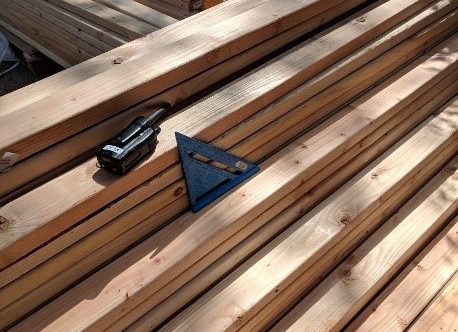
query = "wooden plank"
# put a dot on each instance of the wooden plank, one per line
(139, 11)
(233, 256)
(210, 3)
(39, 166)
(188, 5)
(166, 152)
(324, 145)
(441, 314)
(290, 254)
(72, 53)
(150, 75)
(166, 8)
(364, 273)
(106, 17)
(69, 259)
(25, 47)
(146, 209)
(404, 298)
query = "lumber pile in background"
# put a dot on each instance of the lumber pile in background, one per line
(355, 129)
(72, 31)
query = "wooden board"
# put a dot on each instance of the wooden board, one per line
(65, 38)
(210, 3)
(255, 202)
(107, 187)
(404, 298)
(89, 102)
(105, 35)
(166, 8)
(188, 5)
(49, 18)
(363, 274)
(290, 254)
(441, 314)
(285, 299)
(139, 11)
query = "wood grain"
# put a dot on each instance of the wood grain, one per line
(404, 298)
(139, 11)
(65, 261)
(107, 17)
(120, 226)
(441, 314)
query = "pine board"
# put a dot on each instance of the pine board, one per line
(156, 202)
(441, 314)
(79, 259)
(139, 11)
(107, 17)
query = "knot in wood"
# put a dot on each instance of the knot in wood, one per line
(346, 273)
(346, 276)
(4, 224)
(346, 219)
(361, 19)
(118, 61)
(178, 191)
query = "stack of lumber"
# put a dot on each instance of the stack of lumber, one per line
(72, 31)
(76, 100)
(354, 127)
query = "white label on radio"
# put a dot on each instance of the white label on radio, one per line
(113, 148)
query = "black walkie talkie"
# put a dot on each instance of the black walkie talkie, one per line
(134, 143)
